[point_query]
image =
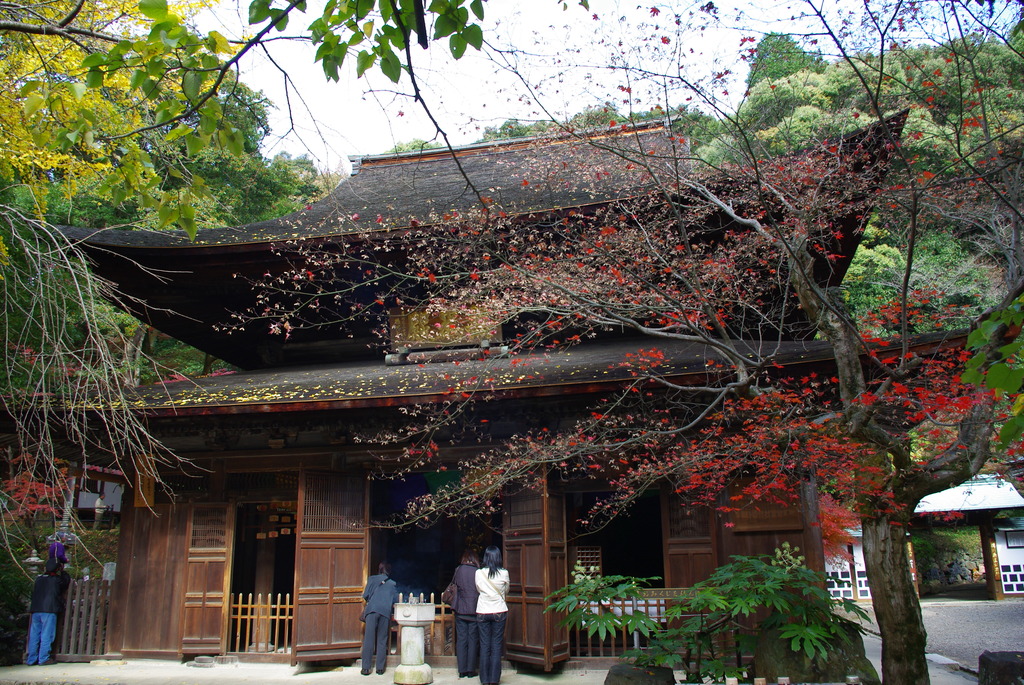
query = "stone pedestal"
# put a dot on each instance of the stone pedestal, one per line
(412, 619)
(1001, 668)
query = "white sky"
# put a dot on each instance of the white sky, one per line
(565, 57)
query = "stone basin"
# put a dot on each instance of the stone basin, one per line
(407, 614)
(413, 617)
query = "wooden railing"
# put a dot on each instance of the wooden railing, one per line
(440, 636)
(264, 624)
(441, 641)
(653, 602)
(83, 628)
(261, 624)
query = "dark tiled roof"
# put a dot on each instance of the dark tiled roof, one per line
(190, 290)
(388, 192)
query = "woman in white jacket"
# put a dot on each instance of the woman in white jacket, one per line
(492, 583)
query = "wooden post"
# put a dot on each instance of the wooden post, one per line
(913, 566)
(990, 555)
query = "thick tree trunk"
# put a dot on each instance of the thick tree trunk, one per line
(894, 597)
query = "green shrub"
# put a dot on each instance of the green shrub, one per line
(587, 603)
(740, 599)
(17, 587)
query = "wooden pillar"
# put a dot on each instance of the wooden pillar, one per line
(218, 481)
(913, 566)
(993, 578)
(120, 602)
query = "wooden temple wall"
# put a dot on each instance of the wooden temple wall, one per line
(157, 613)
(146, 604)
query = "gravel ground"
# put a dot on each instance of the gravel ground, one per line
(962, 624)
(962, 630)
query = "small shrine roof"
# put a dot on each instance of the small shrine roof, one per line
(981, 493)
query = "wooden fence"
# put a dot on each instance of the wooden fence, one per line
(440, 636)
(265, 624)
(654, 602)
(261, 624)
(82, 633)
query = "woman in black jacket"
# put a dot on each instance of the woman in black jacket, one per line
(467, 644)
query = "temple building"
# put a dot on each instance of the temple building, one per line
(276, 491)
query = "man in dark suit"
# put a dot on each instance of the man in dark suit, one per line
(380, 595)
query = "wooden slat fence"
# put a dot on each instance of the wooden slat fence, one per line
(442, 632)
(83, 625)
(261, 624)
(265, 624)
(654, 602)
(439, 638)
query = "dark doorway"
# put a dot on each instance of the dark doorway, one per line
(629, 545)
(423, 558)
(264, 560)
(263, 577)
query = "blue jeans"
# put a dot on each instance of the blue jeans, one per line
(467, 643)
(492, 646)
(40, 637)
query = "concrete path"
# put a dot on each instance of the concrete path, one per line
(149, 672)
(941, 671)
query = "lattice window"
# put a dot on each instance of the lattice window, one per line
(209, 528)
(589, 557)
(1013, 578)
(863, 589)
(180, 483)
(270, 481)
(689, 522)
(525, 511)
(333, 504)
(840, 584)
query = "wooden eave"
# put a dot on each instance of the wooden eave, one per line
(590, 369)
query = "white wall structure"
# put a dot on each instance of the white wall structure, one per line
(1009, 536)
(849, 580)
(982, 493)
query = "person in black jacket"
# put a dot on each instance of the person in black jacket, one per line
(467, 641)
(380, 594)
(47, 601)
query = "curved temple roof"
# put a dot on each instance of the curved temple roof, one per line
(388, 192)
(190, 290)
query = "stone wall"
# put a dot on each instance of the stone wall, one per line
(948, 556)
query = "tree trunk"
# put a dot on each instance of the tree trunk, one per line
(895, 601)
